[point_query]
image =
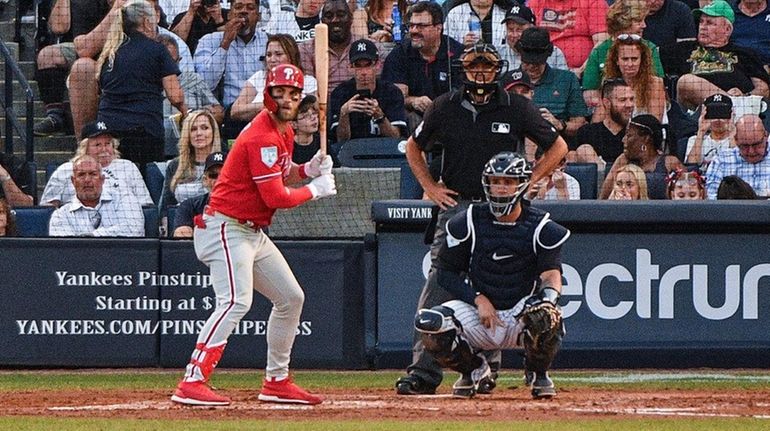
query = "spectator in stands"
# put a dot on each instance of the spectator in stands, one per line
(557, 91)
(135, 70)
(15, 181)
(733, 187)
(95, 211)
(421, 65)
(184, 174)
(300, 23)
(196, 96)
(748, 159)
(375, 20)
(686, 185)
(476, 21)
(668, 22)
(629, 58)
(518, 19)
(752, 28)
(337, 16)
(84, 78)
(365, 106)
(173, 8)
(716, 131)
(625, 17)
(559, 185)
(713, 64)
(602, 142)
(643, 147)
(201, 18)
(307, 140)
(517, 81)
(69, 19)
(630, 184)
(7, 220)
(121, 176)
(231, 56)
(576, 26)
(281, 49)
(190, 208)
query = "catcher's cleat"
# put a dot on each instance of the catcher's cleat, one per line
(463, 387)
(529, 378)
(487, 384)
(413, 385)
(197, 394)
(542, 387)
(285, 391)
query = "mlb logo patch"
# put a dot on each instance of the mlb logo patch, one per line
(502, 128)
(269, 156)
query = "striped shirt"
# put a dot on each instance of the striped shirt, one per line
(729, 162)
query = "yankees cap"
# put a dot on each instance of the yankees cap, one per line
(718, 106)
(214, 159)
(96, 128)
(363, 49)
(520, 14)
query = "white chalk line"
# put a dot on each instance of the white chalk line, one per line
(167, 405)
(649, 377)
(651, 411)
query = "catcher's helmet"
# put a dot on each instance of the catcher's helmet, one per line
(282, 75)
(482, 68)
(507, 165)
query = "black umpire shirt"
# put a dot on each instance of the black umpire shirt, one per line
(470, 135)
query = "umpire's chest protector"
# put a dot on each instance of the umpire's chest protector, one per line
(503, 263)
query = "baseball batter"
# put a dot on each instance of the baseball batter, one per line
(229, 238)
(501, 264)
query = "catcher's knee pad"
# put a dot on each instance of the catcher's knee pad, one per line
(440, 335)
(540, 351)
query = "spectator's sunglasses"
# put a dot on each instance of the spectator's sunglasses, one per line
(629, 38)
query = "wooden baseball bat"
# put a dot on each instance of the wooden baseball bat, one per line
(322, 76)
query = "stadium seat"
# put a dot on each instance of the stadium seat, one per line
(156, 174)
(32, 170)
(409, 188)
(50, 167)
(150, 221)
(372, 153)
(585, 173)
(33, 221)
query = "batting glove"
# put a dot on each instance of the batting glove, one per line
(323, 186)
(320, 164)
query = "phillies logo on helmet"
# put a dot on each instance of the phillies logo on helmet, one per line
(285, 74)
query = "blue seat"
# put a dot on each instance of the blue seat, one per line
(32, 172)
(372, 153)
(409, 188)
(50, 168)
(150, 221)
(155, 175)
(33, 221)
(585, 173)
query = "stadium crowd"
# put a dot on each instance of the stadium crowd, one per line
(665, 97)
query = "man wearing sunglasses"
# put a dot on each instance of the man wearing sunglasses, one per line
(747, 159)
(188, 209)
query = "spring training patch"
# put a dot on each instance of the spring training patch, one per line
(269, 156)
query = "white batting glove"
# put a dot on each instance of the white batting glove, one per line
(323, 186)
(318, 165)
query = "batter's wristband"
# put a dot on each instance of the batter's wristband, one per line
(302, 173)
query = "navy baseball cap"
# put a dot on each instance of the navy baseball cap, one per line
(363, 49)
(96, 128)
(516, 77)
(718, 106)
(520, 14)
(214, 159)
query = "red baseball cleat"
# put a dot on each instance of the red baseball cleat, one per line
(285, 391)
(197, 394)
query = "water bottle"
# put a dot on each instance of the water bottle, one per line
(396, 23)
(474, 25)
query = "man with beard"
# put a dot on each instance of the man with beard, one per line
(605, 139)
(229, 238)
(337, 15)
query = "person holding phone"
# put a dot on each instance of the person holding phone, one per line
(364, 106)
(201, 18)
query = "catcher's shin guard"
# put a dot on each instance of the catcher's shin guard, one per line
(202, 363)
(439, 332)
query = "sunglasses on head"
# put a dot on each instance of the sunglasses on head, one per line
(630, 38)
(641, 125)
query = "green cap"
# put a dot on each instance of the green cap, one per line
(716, 8)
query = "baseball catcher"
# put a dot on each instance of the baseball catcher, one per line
(501, 262)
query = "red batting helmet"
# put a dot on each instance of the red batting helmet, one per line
(282, 75)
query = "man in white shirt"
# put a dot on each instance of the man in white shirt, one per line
(94, 211)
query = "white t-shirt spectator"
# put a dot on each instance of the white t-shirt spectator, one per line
(121, 176)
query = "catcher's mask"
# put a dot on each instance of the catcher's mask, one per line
(482, 68)
(282, 75)
(505, 165)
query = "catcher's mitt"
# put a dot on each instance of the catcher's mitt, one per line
(541, 318)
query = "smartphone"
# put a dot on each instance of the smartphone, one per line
(365, 94)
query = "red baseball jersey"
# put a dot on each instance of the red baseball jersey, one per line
(260, 154)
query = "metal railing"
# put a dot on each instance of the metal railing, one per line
(12, 122)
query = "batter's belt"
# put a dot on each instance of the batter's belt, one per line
(246, 223)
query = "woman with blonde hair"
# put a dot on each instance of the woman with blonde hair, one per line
(120, 176)
(280, 49)
(133, 72)
(630, 184)
(184, 174)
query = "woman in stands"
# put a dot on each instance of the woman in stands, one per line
(686, 185)
(7, 222)
(184, 174)
(630, 184)
(375, 20)
(631, 59)
(281, 49)
(134, 71)
(121, 176)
